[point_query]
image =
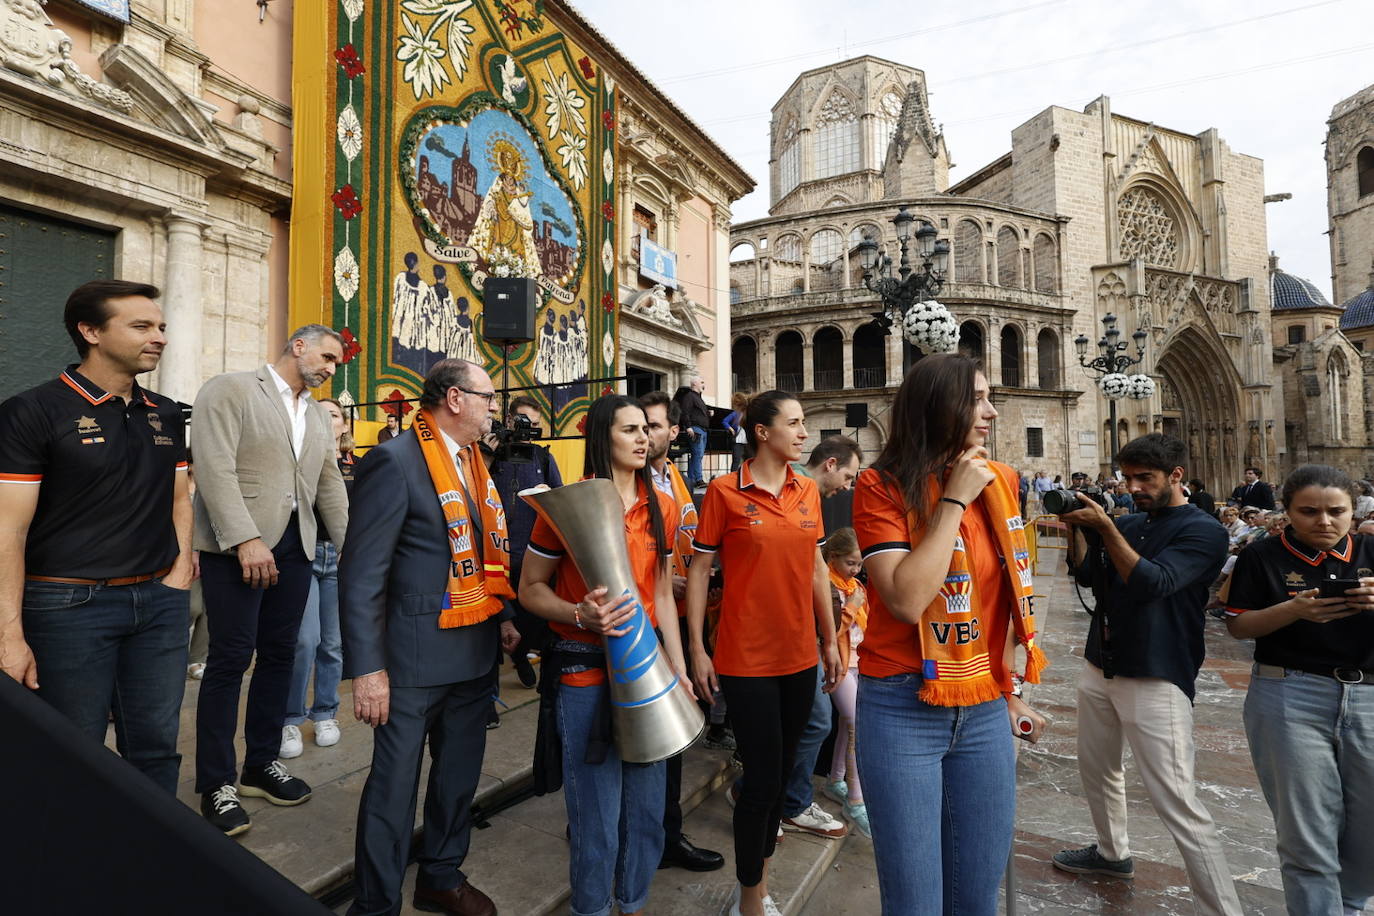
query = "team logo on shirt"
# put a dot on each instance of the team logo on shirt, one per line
(1363, 571)
(87, 426)
(155, 422)
(803, 510)
(1296, 580)
(751, 509)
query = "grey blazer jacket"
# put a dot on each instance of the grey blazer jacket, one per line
(393, 576)
(247, 472)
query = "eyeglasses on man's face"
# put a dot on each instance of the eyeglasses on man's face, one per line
(488, 395)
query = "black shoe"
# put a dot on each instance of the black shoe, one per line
(1088, 861)
(273, 783)
(524, 670)
(683, 854)
(222, 809)
(493, 719)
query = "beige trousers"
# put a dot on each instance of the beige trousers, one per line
(1155, 717)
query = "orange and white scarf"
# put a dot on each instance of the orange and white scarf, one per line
(957, 668)
(850, 615)
(479, 575)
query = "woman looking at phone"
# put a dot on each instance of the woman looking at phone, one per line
(1306, 598)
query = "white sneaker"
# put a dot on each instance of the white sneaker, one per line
(770, 908)
(816, 821)
(291, 745)
(327, 732)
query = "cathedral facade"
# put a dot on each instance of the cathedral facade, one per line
(1090, 213)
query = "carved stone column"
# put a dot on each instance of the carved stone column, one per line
(808, 380)
(181, 307)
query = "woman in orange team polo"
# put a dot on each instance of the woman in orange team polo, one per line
(605, 798)
(764, 524)
(949, 586)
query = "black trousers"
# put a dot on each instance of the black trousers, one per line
(245, 621)
(769, 714)
(453, 717)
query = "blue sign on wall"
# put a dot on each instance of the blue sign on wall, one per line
(657, 264)
(115, 9)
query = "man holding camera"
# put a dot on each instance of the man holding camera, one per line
(1149, 572)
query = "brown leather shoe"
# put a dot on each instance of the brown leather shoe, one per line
(463, 900)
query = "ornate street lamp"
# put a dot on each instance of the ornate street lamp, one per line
(1110, 369)
(911, 286)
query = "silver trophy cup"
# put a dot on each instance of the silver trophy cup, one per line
(652, 715)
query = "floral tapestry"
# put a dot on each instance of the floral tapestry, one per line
(466, 140)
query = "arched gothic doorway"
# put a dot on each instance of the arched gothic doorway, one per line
(1202, 381)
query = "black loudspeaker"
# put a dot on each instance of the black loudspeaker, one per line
(508, 305)
(856, 416)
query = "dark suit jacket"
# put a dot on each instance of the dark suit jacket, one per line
(1260, 496)
(392, 578)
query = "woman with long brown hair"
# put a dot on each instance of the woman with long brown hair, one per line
(950, 589)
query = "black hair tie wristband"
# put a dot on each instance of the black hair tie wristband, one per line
(951, 499)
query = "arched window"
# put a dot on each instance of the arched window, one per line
(788, 248)
(789, 160)
(1009, 258)
(1335, 393)
(1011, 356)
(971, 341)
(825, 247)
(787, 361)
(1046, 264)
(1364, 167)
(1047, 359)
(885, 124)
(968, 253)
(827, 359)
(744, 357)
(836, 137)
(743, 251)
(870, 356)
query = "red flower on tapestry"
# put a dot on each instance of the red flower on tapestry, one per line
(608, 302)
(396, 404)
(608, 120)
(608, 211)
(346, 199)
(588, 71)
(607, 389)
(347, 56)
(582, 425)
(351, 347)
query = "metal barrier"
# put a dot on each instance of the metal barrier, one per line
(1047, 532)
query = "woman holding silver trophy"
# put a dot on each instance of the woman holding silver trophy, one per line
(614, 804)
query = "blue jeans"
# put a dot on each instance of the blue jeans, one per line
(697, 455)
(318, 645)
(120, 649)
(801, 790)
(929, 765)
(615, 814)
(1312, 741)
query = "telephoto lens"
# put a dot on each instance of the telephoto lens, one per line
(1057, 502)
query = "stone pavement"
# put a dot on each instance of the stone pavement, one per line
(520, 856)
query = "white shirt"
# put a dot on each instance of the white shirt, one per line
(663, 483)
(295, 409)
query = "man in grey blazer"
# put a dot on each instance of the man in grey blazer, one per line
(264, 468)
(411, 679)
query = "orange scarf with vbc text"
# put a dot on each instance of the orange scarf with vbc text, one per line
(479, 576)
(957, 668)
(849, 615)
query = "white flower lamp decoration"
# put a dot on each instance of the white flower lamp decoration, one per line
(930, 326)
(1115, 385)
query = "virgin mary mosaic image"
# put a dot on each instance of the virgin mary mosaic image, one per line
(485, 190)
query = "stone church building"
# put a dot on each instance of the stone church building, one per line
(1090, 212)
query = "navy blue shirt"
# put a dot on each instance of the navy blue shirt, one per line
(510, 478)
(1155, 620)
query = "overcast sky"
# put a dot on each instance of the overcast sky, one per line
(1265, 73)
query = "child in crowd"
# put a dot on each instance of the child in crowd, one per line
(850, 601)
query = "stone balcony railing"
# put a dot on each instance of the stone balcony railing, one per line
(953, 292)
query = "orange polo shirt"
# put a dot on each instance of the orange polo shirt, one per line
(644, 561)
(767, 549)
(880, 521)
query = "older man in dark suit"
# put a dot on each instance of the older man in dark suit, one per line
(419, 552)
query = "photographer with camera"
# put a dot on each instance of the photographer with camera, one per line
(1305, 597)
(516, 462)
(1149, 572)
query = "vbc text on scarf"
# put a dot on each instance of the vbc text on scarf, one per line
(478, 576)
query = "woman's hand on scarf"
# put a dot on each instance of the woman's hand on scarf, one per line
(969, 475)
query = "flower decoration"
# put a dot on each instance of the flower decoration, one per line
(608, 120)
(607, 303)
(573, 154)
(607, 164)
(1142, 387)
(582, 426)
(1114, 385)
(930, 326)
(350, 131)
(351, 347)
(348, 59)
(423, 57)
(563, 107)
(585, 65)
(346, 273)
(396, 404)
(353, 9)
(607, 255)
(608, 211)
(346, 199)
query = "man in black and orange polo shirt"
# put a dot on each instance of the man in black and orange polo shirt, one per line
(95, 531)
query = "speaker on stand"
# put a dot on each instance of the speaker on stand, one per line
(508, 306)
